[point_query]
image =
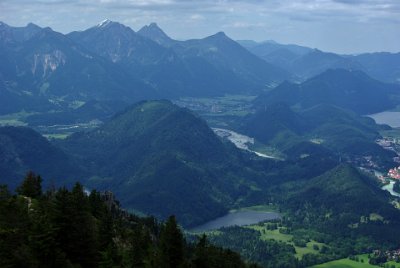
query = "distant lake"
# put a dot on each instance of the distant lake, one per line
(390, 118)
(238, 218)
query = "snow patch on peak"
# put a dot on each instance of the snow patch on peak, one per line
(104, 23)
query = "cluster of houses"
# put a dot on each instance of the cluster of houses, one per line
(394, 173)
(390, 255)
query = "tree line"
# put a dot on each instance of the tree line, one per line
(71, 228)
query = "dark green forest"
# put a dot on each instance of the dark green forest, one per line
(71, 228)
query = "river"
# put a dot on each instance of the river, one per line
(239, 140)
(238, 218)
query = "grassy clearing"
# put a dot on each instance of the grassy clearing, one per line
(16, 119)
(57, 136)
(362, 263)
(347, 263)
(308, 249)
(272, 234)
(286, 238)
(12, 122)
(375, 217)
(390, 263)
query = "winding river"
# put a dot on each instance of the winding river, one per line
(239, 140)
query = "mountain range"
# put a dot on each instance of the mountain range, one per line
(353, 90)
(305, 62)
(42, 69)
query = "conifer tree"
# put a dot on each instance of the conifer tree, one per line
(200, 254)
(171, 245)
(31, 186)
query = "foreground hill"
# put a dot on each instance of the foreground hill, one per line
(69, 228)
(22, 149)
(159, 158)
(352, 90)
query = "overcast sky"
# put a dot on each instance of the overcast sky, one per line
(343, 26)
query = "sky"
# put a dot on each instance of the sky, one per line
(341, 26)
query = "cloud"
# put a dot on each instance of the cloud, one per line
(289, 20)
(245, 25)
(197, 17)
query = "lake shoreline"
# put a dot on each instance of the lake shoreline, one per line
(239, 217)
(388, 117)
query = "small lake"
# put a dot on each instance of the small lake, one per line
(390, 118)
(238, 218)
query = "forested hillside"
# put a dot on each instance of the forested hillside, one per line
(71, 228)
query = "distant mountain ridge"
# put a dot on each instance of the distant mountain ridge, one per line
(42, 70)
(210, 66)
(110, 61)
(155, 33)
(353, 90)
(50, 68)
(307, 62)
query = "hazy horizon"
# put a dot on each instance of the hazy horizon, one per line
(340, 26)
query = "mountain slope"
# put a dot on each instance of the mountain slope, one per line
(220, 50)
(112, 62)
(118, 43)
(155, 33)
(352, 90)
(321, 129)
(274, 120)
(22, 150)
(305, 62)
(346, 202)
(13, 35)
(211, 66)
(161, 159)
(316, 62)
(49, 67)
(382, 66)
(275, 53)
